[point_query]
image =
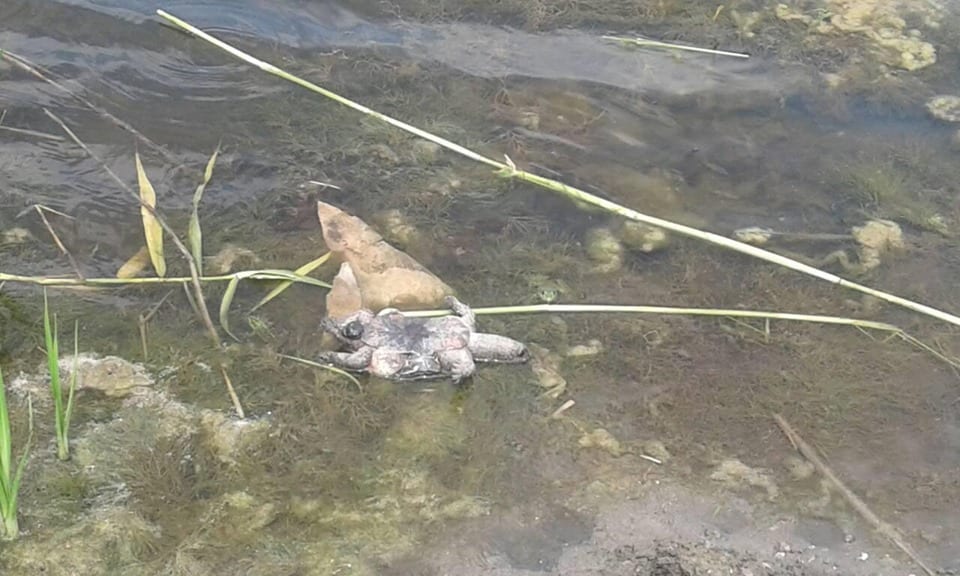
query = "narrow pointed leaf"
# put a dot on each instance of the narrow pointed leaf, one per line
(269, 274)
(73, 376)
(51, 343)
(225, 305)
(194, 233)
(195, 238)
(208, 173)
(5, 446)
(151, 227)
(9, 479)
(303, 271)
(327, 367)
(135, 264)
(15, 485)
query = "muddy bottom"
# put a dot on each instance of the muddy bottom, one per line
(663, 531)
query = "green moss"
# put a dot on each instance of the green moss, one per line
(885, 189)
(426, 429)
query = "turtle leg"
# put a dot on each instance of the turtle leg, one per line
(357, 361)
(463, 311)
(329, 325)
(496, 348)
(458, 364)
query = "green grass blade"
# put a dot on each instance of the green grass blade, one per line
(269, 274)
(225, 305)
(208, 173)
(5, 456)
(194, 232)
(303, 271)
(195, 239)
(73, 384)
(5, 448)
(15, 485)
(326, 367)
(152, 231)
(51, 341)
(10, 480)
(21, 466)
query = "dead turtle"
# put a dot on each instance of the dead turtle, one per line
(391, 345)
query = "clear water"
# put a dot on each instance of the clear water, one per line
(413, 479)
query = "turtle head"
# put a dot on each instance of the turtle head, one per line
(351, 328)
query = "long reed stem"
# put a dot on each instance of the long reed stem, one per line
(668, 310)
(509, 170)
(123, 282)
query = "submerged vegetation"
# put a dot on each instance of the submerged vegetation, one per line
(896, 186)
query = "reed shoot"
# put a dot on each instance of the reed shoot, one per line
(61, 412)
(10, 476)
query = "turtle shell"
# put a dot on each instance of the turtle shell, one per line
(417, 335)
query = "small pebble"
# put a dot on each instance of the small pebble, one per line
(383, 153)
(591, 348)
(425, 151)
(863, 557)
(799, 468)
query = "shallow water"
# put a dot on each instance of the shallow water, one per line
(812, 134)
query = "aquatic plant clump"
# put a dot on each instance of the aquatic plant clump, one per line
(61, 411)
(10, 476)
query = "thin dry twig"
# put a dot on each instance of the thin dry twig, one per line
(563, 408)
(142, 327)
(233, 393)
(34, 133)
(144, 318)
(859, 505)
(56, 239)
(47, 76)
(194, 275)
(646, 43)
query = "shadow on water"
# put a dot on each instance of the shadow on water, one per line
(816, 134)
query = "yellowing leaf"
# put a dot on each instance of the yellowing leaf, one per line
(135, 265)
(194, 233)
(151, 227)
(225, 305)
(195, 238)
